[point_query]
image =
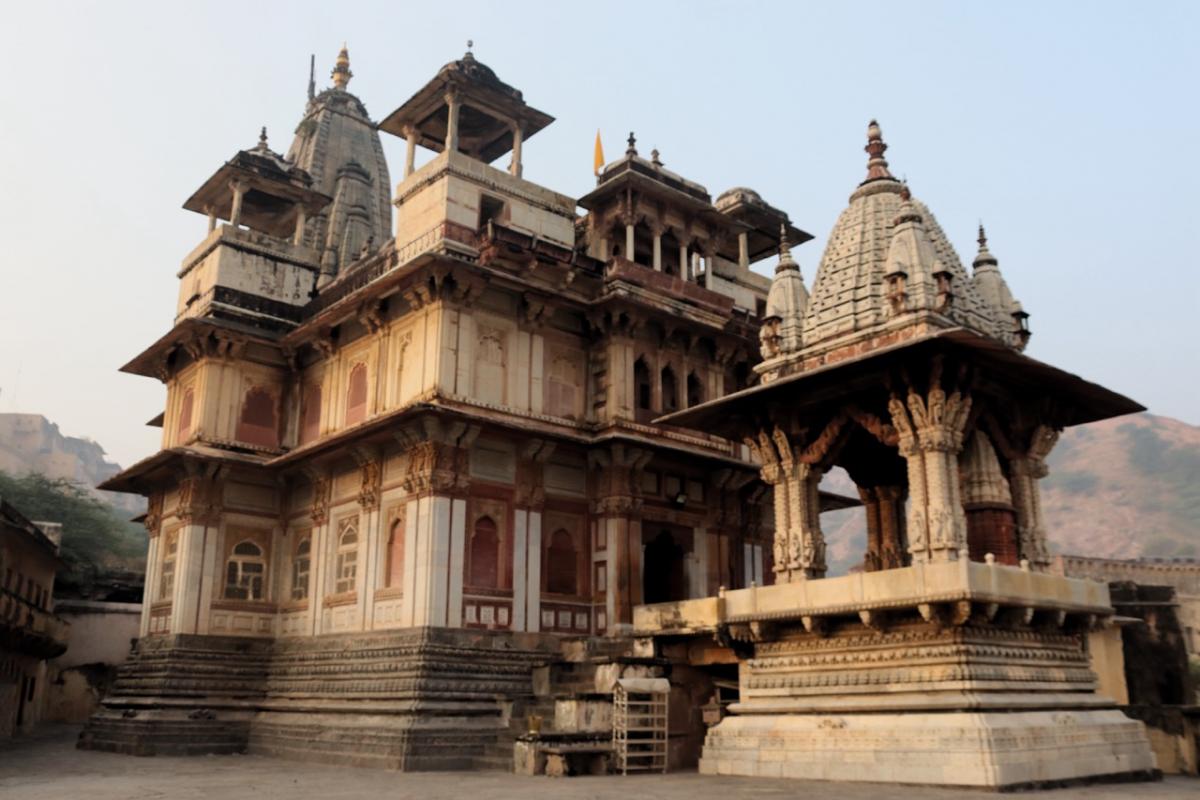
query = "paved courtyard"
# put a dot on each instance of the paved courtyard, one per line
(48, 767)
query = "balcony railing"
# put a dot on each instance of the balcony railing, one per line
(26, 628)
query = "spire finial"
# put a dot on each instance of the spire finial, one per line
(877, 166)
(785, 250)
(262, 139)
(631, 150)
(341, 73)
(312, 76)
(654, 159)
(984, 256)
(470, 44)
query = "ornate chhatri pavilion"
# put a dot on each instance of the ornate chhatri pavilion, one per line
(954, 657)
(421, 478)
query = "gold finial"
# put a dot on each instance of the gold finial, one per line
(341, 73)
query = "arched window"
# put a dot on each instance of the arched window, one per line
(166, 579)
(395, 555)
(347, 557)
(643, 395)
(670, 390)
(244, 572)
(256, 425)
(301, 566)
(310, 414)
(562, 560)
(483, 570)
(695, 391)
(185, 412)
(356, 394)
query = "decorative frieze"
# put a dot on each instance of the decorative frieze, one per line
(199, 499)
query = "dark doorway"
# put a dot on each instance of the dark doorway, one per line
(663, 577)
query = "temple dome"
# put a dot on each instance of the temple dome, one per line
(849, 294)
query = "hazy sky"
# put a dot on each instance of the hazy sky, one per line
(1069, 128)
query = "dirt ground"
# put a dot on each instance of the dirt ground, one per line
(48, 767)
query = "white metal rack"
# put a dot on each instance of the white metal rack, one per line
(640, 724)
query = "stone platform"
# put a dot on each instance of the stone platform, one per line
(956, 673)
(413, 699)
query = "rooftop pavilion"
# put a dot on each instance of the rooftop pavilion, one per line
(466, 108)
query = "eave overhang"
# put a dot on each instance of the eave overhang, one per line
(1077, 401)
(166, 467)
(153, 361)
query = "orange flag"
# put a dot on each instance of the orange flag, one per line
(598, 160)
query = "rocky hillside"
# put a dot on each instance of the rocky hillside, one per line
(32, 443)
(1126, 487)
(1121, 488)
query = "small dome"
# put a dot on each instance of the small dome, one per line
(478, 72)
(737, 194)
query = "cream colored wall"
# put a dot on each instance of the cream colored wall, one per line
(219, 387)
(449, 189)
(255, 264)
(1108, 662)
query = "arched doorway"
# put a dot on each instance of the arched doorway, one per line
(664, 578)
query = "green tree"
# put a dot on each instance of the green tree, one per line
(95, 536)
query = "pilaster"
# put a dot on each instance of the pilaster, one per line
(619, 506)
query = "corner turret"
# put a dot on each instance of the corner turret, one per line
(1012, 321)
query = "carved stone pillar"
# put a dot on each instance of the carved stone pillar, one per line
(987, 498)
(298, 235)
(235, 209)
(873, 557)
(1026, 470)
(799, 543)
(656, 231)
(893, 542)
(930, 433)
(529, 501)
(410, 150)
(453, 105)
(438, 475)
(518, 133)
(618, 505)
(199, 512)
